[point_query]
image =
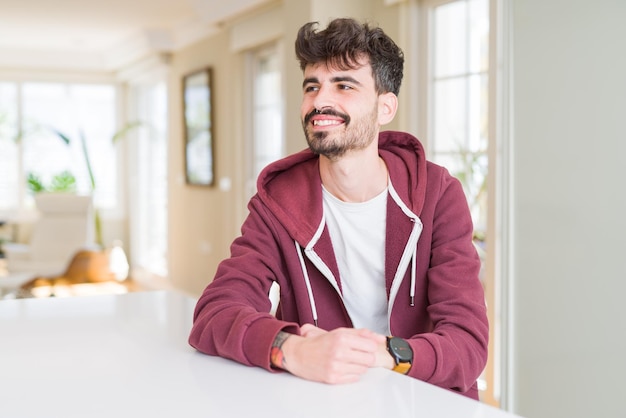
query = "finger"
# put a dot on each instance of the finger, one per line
(350, 350)
(371, 334)
(306, 327)
(353, 339)
(308, 330)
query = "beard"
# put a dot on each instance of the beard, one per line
(356, 134)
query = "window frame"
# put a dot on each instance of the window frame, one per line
(496, 267)
(252, 157)
(141, 102)
(23, 212)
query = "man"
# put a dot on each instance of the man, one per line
(366, 239)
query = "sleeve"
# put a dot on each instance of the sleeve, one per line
(454, 353)
(232, 316)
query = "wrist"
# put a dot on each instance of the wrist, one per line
(277, 355)
(385, 359)
(402, 354)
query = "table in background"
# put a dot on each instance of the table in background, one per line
(127, 355)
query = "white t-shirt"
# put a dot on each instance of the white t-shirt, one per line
(357, 231)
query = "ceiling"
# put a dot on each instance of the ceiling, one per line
(104, 34)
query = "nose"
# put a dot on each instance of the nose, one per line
(324, 98)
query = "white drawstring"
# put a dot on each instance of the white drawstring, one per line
(308, 283)
(408, 252)
(404, 261)
(413, 268)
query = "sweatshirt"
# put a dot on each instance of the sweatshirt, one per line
(435, 298)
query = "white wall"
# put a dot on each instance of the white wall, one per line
(204, 221)
(569, 230)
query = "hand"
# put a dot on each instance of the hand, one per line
(383, 358)
(339, 356)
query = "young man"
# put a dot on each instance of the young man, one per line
(366, 239)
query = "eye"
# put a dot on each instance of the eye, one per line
(310, 88)
(344, 87)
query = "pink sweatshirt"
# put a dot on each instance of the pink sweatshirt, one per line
(436, 300)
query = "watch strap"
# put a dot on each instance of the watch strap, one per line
(402, 368)
(400, 365)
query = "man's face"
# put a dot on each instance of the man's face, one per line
(339, 109)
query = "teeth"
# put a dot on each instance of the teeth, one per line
(325, 122)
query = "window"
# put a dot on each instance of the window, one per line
(459, 98)
(10, 165)
(148, 181)
(30, 115)
(267, 111)
(459, 123)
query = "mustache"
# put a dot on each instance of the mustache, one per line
(329, 112)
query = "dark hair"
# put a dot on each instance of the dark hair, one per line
(344, 42)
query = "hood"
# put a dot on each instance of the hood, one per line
(300, 209)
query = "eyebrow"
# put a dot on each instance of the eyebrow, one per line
(338, 79)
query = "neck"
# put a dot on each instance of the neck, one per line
(356, 177)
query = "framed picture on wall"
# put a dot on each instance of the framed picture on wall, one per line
(198, 121)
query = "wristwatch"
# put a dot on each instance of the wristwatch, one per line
(401, 352)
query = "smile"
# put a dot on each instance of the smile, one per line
(326, 122)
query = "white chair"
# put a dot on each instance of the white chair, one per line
(64, 226)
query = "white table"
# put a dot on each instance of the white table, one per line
(127, 356)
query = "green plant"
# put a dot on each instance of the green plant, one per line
(61, 182)
(472, 173)
(35, 184)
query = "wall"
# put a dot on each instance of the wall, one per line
(204, 221)
(569, 205)
(199, 216)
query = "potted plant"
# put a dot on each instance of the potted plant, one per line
(92, 181)
(64, 182)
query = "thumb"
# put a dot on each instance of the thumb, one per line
(308, 330)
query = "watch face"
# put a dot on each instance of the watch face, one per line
(401, 349)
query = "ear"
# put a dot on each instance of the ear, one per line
(387, 107)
